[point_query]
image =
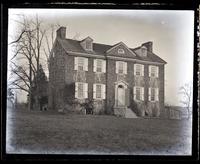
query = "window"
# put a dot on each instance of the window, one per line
(138, 69)
(81, 90)
(153, 94)
(88, 45)
(120, 51)
(121, 67)
(81, 64)
(153, 71)
(99, 91)
(99, 66)
(144, 51)
(138, 93)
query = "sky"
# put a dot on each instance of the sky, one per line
(171, 32)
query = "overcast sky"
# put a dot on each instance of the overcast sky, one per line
(170, 31)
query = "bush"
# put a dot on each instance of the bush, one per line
(134, 107)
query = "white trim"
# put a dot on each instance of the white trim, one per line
(76, 90)
(124, 64)
(121, 43)
(141, 69)
(156, 96)
(156, 71)
(135, 60)
(71, 53)
(103, 65)
(103, 91)
(141, 93)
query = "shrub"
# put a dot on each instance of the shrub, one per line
(134, 107)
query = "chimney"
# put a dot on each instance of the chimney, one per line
(149, 46)
(61, 32)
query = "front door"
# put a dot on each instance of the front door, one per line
(121, 95)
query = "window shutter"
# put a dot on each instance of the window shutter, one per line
(134, 69)
(104, 66)
(76, 63)
(142, 69)
(76, 90)
(125, 67)
(157, 94)
(94, 91)
(117, 67)
(149, 94)
(85, 89)
(157, 71)
(94, 65)
(149, 71)
(134, 93)
(103, 91)
(85, 64)
(142, 93)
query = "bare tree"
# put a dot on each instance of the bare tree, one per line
(27, 55)
(49, 40)
(186, 91)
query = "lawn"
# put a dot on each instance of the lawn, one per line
(51, 132)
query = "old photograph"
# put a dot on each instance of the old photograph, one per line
(100, 81)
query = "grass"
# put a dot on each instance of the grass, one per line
(50, 132)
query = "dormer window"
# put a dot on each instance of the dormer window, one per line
(121, 51)
(87, 44)
(143, 51)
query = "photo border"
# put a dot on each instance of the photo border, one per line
(149, 6)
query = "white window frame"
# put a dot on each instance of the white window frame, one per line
(85, 90)
(103, 91)
(141, 90)
(98, 93)
(156, 96)
(123, 64)
(99, 66)
(156, 71)
(85, 63)
(103, 65)
(141, 68)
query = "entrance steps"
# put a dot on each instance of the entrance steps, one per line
(130, 114)
(124, 112)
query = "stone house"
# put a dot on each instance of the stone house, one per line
(115, 78)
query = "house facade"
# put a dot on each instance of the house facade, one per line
(114, 77)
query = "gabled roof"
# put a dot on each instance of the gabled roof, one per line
(121, 43)
(70, 45)
(87, 38)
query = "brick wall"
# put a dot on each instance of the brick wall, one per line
(62, 72)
